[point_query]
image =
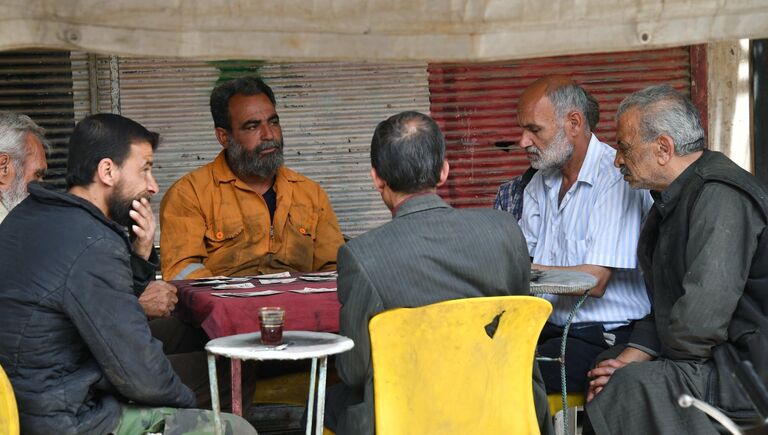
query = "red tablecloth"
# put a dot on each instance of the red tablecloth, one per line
(220, 317)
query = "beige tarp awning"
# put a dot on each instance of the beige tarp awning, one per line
(461, 30)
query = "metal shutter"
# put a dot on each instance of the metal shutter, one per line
(328, 111)
(475, 105)
(42, 84)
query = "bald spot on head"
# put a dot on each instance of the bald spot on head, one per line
(543, 86)
(412, 127)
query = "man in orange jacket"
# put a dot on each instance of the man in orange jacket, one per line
(245, 213)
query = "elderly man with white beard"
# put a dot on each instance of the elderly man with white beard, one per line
(22, 158)
(578, 215)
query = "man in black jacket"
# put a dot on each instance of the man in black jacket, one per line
(703, 250)
(74, 340)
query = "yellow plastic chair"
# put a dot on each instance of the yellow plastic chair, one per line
(576, 402)
(555, 400)
(9, 414)
(436, 370)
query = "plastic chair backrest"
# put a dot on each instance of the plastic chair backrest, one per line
(9, 414)
(440, 369)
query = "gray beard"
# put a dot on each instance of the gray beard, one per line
(15, 193)
(247, 164)
(556, 154)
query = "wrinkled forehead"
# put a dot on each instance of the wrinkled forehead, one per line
(628, 122)
(35, 148)
(246, 107)
(536, 109)
(532, 95)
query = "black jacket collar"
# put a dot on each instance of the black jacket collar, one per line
(47, 195)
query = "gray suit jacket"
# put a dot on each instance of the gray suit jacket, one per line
(429, 252)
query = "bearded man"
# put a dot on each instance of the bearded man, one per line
(578, 215)
(22, 158)
(245, 213)
(75, 341)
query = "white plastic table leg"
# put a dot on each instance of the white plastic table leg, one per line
(321, 395)
(214, 394)
(311, 399)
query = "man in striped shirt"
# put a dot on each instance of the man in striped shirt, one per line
(509, 197)
(578, 214)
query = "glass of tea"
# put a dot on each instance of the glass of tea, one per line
(271, 325)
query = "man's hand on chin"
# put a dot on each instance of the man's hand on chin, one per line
(143, 229)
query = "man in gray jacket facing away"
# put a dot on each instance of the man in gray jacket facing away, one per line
(429, 252)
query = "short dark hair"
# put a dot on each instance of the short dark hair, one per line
(102, 136)
(408, 151)
(247, 85)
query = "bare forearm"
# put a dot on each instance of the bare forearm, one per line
(603, 275)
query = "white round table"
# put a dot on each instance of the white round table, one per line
(300, 345)
(563, 282)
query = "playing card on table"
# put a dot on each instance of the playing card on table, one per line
(319, 276)
(233, 286)
(271, 275)
(209, 282)
(314, 290)
(218, 280)
(276, 280)
(246, 294)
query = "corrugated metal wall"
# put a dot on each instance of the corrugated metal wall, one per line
(328, 112)
(40, 84)
(475, 105)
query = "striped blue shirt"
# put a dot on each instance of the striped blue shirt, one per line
(597, 222)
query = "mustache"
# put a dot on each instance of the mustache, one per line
(267, 145)
(146, 195)
(532, 150)
(624, 171)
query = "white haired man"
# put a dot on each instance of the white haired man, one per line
(704, 258)
(22, 158)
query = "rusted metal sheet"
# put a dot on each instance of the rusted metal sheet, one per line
(328, 111)
(476, 106)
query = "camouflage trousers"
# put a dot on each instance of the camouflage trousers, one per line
(139, 420)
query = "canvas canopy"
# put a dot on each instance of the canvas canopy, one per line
(436, 30)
